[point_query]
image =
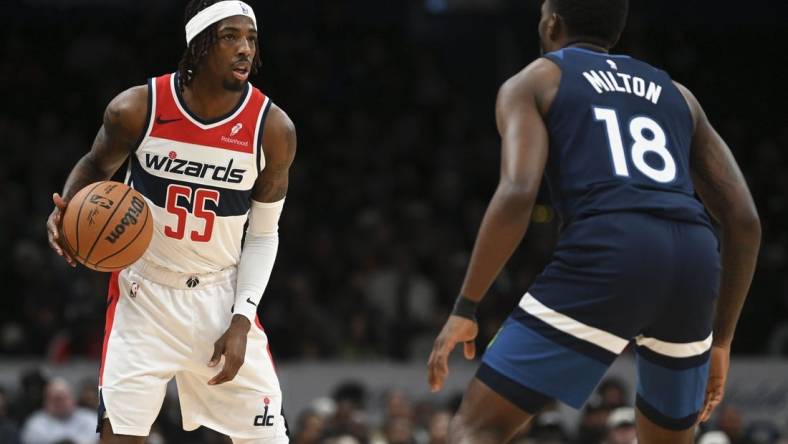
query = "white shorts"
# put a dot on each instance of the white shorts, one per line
(158, 327)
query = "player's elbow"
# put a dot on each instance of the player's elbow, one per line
(743, 219)
(750, 222)
(517, 195)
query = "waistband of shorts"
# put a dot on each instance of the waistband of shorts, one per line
(182, 281)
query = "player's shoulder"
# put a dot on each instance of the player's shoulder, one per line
(538, 81)
(692, 102)
(128, 110)
(131, 100)
(279, 132)
(538, 73)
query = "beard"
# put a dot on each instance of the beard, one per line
(234, 85)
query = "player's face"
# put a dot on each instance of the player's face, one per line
(230, 59)
(547, 28)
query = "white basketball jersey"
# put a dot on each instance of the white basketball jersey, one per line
(198, 177)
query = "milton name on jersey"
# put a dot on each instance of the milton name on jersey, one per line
(609, 81)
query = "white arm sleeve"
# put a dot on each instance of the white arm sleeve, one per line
(257, 257)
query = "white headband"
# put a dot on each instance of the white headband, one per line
(214, 13)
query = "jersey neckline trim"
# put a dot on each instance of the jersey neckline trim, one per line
(212, 123)
(589, 51)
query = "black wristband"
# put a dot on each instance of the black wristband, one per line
(464, 308)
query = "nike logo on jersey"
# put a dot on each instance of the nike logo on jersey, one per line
(161, 121)
(173, 165)
(249, 300)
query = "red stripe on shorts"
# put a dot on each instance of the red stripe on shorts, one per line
(113, 294)
(267, 346)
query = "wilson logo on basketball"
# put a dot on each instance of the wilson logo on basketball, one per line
(171, 164)
(130, 218)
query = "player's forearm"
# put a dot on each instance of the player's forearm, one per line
(254, 271)
(85, 172)
(502, 229)
(739, 250)
(257, 257)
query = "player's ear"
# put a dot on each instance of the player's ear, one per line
(554, 25)
(615, 42)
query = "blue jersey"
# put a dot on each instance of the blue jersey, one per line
(620, 137)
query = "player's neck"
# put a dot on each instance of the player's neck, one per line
(209, 99)
(584, 44)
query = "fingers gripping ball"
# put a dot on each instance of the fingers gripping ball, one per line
(107, 226)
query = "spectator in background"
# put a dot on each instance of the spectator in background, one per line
(621, 427)
(8, 432)
(613, 392)
(60, 420)
(714, 437)
(349, 418)
(547, 427)
(730, 422)
(761, 432)
(438, 431)
(399, 430)
(30, 398)
(88, 395)
(309, 428)
(593, 422)
(342, 439)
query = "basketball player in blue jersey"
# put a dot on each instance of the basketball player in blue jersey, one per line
(624, 150)
(211, 154)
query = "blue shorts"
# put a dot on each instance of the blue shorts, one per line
(615, 279)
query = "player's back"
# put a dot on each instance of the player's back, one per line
(620, 136)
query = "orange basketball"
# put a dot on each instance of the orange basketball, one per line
(107, 226)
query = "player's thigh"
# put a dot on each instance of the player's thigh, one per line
(142, 353)
(109, 437)
(247, 407)
(485, 416)
(651, 433)
(673, 352)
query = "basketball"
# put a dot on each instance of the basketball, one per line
(107, 226)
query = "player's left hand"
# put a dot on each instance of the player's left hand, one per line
(718, 375)
(232, 344)
(456, 330)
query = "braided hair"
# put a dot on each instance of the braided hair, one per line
(200, 44)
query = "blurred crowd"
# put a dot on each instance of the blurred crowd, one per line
(50, 411)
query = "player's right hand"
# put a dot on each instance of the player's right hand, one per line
(718, 375)
(54, 222)
(456, 330)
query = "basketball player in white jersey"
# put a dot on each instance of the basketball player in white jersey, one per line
(211, 155)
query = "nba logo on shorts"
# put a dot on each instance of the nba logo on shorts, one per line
(237, 127)
(135, 287)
